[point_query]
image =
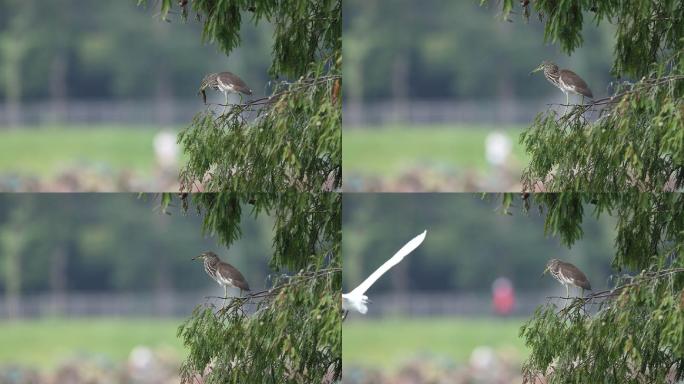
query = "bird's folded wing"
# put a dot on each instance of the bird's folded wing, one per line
(394, 260)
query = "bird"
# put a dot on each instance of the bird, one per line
(567, 274)
(225, 274)
(356, 299)
(224, 82)
(565, 80)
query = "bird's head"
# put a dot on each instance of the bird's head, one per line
(551, 264)
(545, 65)
(205, 256)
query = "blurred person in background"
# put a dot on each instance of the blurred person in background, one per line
(503, 296)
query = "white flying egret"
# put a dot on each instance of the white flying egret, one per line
(356, 300)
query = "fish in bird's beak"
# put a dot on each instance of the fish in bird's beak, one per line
(539, 68)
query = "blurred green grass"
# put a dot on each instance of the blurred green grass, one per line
(45, 151)
(44, 344)
(389, 150)
(387, 343)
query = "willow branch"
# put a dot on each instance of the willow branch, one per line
(609, 293)
(276, 96)
(645, 84)
(267, 293)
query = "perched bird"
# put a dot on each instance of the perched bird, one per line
(225, 274)
(565, 80)
(356, 299)
(224, 82)
(567, 274)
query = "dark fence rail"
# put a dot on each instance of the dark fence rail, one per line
(448, 304)
(153, 113)
(511, 112)
(181, 112)
(106, 304)
(181, 304)
(130, 112)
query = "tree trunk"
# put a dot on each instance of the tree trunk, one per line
(163, 96)
(163, 285)
(400, 86)
(11, 243)
(162, 86)
(12, 52)
(58, 280)
(58, 88)
(354, 79)
(506, 97)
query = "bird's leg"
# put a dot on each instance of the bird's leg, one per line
(567, 103)
(225, 294)
(567, 291)
(344, 316)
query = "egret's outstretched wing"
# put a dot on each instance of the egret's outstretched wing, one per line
(394, 260)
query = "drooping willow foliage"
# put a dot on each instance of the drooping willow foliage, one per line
(291, 332)
(285, 143)
(294, 142)
(628, 145)
(290, 140)
(634, 331)
(621, 149)
(633, 139)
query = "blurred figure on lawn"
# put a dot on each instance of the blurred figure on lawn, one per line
(503, 296)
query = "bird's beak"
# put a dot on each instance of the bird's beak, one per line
(539, 68)
(544, 273)
(197, 257)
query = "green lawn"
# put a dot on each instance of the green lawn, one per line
(45, 343)
(390, 342)
(46, 151)
(389, 150)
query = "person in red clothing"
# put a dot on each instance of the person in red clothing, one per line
(503, 296)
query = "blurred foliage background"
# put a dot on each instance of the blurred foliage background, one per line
(114, 243)
(427, 83)
(469, 244)
(114, 50)
(441, 49)
(99, 283)
(433, 315)
(85, 90)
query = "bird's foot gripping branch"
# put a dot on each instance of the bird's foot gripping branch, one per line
(283, 334)
(290, 141)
